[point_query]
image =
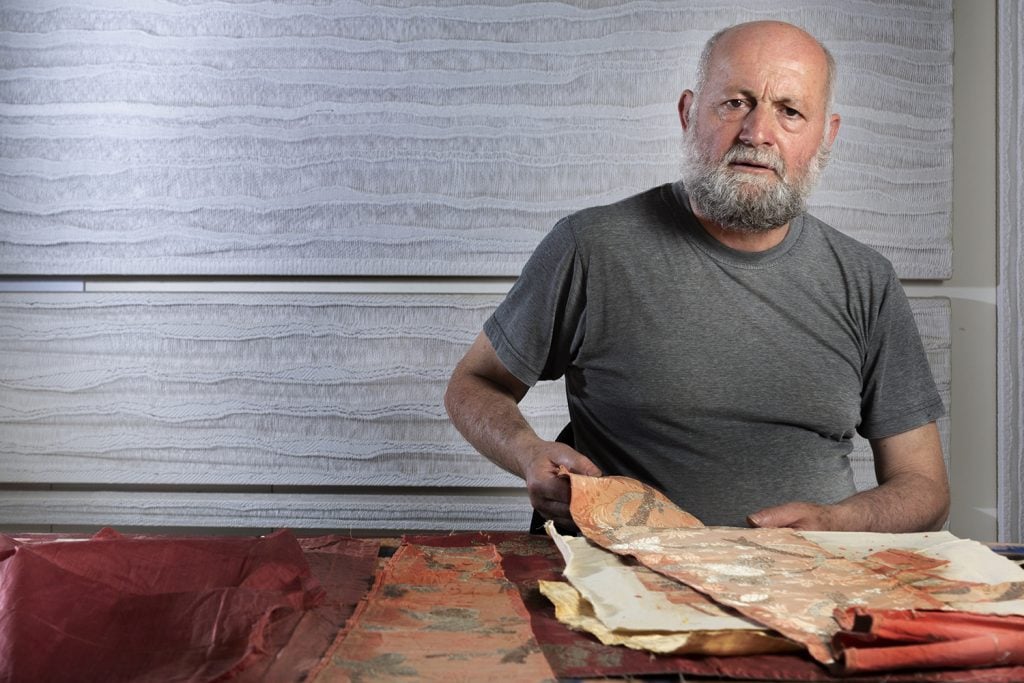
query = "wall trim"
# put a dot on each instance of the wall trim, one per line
(1010, 333)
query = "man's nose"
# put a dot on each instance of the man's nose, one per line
(758, 127)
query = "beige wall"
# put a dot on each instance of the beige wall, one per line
(972, 289)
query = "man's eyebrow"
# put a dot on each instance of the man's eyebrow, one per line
(788, 100)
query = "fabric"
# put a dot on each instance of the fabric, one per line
(776, 577)
(885, 640)
(628, 604)
(114, 608)
(433, 612)
(345, 568)
(627, 596)
(527, 560)
(963, 574)
(687, 362)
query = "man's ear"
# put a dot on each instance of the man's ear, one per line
(685, 103)
(833, 128)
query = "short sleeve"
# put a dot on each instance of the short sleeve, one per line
(899, 392)
(537, 329)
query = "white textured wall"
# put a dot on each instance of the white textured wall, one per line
(275, 390)
(297, 149)
(435, 138)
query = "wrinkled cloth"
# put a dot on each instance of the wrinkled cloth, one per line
(346, 568)
(117, 608)
(885, 640)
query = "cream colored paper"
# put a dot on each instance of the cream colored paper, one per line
(575, 611)
(631, 597)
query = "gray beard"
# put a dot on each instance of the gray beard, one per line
(739, 201)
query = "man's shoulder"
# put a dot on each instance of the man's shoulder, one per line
(845, 247)
(643, 209)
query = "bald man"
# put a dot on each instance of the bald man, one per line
(718, 342)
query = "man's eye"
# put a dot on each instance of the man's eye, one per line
(789, 112)
(735, 104)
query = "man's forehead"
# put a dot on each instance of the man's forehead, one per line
(797, 72)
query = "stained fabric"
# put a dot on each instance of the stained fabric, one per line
(527, 560)
(625, 603)
(628, 596)
(885, 640)
(774, 576)
(114, 608)
(435, 613)
(602, 505)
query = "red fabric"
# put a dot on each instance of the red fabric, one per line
(345, 568)
(886, 640)
(115, 608)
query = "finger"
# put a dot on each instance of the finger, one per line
(559, 514)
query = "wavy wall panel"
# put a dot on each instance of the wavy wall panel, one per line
(217, 391)
(69, 509)
(414, 138)
(271, 389)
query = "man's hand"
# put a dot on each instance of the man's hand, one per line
(549, 492)
(806, 516)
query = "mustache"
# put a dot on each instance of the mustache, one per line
(760, 157)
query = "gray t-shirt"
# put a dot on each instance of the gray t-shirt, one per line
(729, 380)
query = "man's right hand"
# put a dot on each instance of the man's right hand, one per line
(549, 492)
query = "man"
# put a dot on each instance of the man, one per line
(717, 342)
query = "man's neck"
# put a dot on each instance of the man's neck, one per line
(745, 241)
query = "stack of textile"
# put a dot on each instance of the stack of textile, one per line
(649, 576)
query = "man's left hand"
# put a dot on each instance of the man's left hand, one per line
(806, 516)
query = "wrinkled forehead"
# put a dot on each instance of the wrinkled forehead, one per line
(789, 63)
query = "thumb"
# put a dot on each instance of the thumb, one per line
(583, 465)
(572, 461)
(768, 517)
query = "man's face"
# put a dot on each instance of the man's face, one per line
(757, 136)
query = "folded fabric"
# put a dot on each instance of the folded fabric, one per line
(118, 608)
(885, 640)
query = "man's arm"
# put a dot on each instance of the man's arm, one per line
(912, 492)
(483, 402)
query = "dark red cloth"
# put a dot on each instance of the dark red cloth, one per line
(887, 640)
(118, 608)
(345, 568)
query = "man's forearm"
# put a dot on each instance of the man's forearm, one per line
(488, 417)
(909, 502)
(912, 495)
